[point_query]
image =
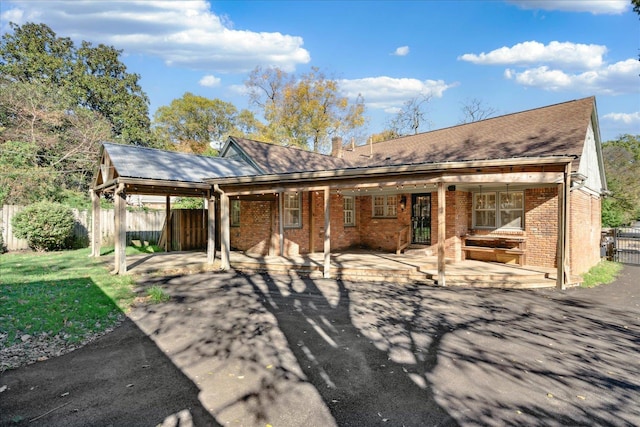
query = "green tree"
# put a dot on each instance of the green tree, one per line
(194, 122)
(93, 77)
(622, 169)
(46, 147)
(304, 111)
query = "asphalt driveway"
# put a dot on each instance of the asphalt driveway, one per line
(258, 350)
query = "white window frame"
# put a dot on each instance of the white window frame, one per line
(498, 208)
(291, 203)
(234, 215)
(384, 206)
(349, 210)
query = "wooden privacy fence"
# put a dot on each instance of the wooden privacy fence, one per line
(188, 230)
(143, 226)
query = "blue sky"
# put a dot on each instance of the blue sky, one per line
(511, 55)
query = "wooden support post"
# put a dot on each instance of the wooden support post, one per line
(312, 231)
(96, 234)
(225, 234)
(281, 222)
(167, 210)
(567, 224)
(120, 222)
(272, 227)
(442, 231)
(211, 229)
(327, 232)
(562, 254)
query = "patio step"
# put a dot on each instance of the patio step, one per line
(418, 250)
(510, 281)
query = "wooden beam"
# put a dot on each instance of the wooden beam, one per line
(281, 222)
(96, 234)
(225, 237)
(327, 232)
(211, 229)
(501, 176)
(167, 211)
(120, 222)
(442, 232)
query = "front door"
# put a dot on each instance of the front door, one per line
(421, 219)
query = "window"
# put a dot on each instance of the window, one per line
(385, 206)
(507, 212)
(292, 214)
(235, 213)
(511, 209)
(349, 210)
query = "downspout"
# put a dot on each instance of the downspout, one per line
(224, 229)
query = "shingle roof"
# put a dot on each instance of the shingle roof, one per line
(148, 163)
(276, 159)
(556, 130)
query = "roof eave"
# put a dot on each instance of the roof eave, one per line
(382, 170)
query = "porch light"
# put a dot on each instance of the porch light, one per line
(403, 202)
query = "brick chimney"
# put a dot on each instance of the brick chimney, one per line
(336, 147)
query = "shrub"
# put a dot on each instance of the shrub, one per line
(2, 248)
(46, 226)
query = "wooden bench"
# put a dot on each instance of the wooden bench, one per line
(513, 245)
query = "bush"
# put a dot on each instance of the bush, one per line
(46, 226)
(2, 248)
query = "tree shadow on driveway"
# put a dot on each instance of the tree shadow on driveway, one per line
(289, 350)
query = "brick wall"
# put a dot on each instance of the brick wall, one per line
(585, 231)
(259, 226)
(382, 233)
(541, 225)
(255, 227)
(458, 222)
(342, 237)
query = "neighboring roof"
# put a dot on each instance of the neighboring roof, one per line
(276, 159)
(131, 161)
(556, 130)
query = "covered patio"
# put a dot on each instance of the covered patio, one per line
(356, 266)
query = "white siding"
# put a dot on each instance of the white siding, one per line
(589, 164)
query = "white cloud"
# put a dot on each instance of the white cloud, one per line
(182, 33)
(615, 79)
(401, 51)
(596, 7)
(387, 93)
(573, 55)
(626, 118)
(209, 81)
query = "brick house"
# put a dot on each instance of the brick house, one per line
(522, 188)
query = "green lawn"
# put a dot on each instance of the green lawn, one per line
(602, 273)
(63, 293)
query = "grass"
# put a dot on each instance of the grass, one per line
(133, 250)
(157, 295)
(603, 273)
(59, 293)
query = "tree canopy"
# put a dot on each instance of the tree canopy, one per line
(90, 77)
(192, 123)
(304, 111)
(59, 102)
(622, 169)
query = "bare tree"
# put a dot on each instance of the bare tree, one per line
(475, 110)
(411, 116)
